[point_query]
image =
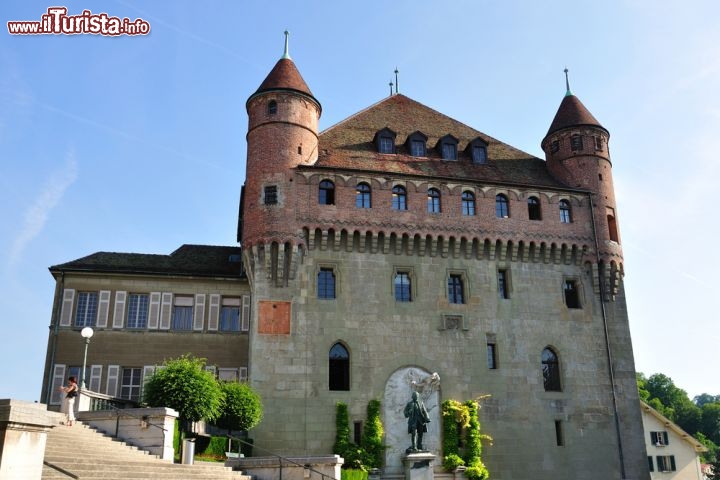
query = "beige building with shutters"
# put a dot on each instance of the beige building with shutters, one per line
(145, 309)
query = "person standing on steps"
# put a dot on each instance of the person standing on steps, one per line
(71, 391)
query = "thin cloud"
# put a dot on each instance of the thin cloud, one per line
(38, 213)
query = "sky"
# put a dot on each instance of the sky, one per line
(137, 143)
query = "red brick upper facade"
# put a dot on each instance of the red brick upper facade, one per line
(288, 160)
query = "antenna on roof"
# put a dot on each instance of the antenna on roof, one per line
(567, 83)
(396, 80)
(286, 53)
(391, 85)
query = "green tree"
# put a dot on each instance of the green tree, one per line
(705, 398)
(184, 385)
(242, 407)
(710, 422)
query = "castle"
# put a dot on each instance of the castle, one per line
(396, 244)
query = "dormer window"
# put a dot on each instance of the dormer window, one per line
(478, 150)
(416, 144)
(272, 107)
(385, 141)
(447, 146)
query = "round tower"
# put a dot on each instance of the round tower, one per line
(576, 151)
(282, 133)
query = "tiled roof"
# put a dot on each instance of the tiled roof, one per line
(188, 260)
(572, 113)
(284, 76)
(349, 145)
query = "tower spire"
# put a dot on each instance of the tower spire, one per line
(286, 53)
(396, 79)
(567, 83)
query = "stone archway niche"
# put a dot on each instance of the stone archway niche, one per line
(398, 391)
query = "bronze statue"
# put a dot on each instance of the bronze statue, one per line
(418, 419)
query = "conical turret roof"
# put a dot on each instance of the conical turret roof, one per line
(572, 113)
(284, 76)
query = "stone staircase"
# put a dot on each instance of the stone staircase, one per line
(79, 452)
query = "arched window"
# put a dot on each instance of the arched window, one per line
(534, 209)
(551, 370)
(339, 368)
(565, 216)
(326, 193)
(433, 200)
(272, 107)
(502, 209)
(362, 195)
(468, 203)
(399, 198)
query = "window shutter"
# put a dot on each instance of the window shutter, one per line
(665, 438)
(148, 371)
(95, 377)
(653, 438)
(650, 463)
(212, 369)
(243, 374)
(166, 310)
(67, 307)
(672, 463)
(119, 314)
(199, 316)
(245, 322)
(103, 308)
(214, 313)
(56, 395)
(154, 310)
(112, 380)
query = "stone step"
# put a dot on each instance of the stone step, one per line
(88, 454)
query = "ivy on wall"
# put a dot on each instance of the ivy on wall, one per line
(462, 438)
(369, 454)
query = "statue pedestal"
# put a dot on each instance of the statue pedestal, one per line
(419, 466)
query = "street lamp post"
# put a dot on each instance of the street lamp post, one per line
(86, 333)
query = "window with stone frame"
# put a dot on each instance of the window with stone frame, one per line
(326, 283)
(576, 142)
(402, 285)
(270, 196)
(456, 288)
(571, 292)
(503, 284)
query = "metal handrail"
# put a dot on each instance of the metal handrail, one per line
(281, 458)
